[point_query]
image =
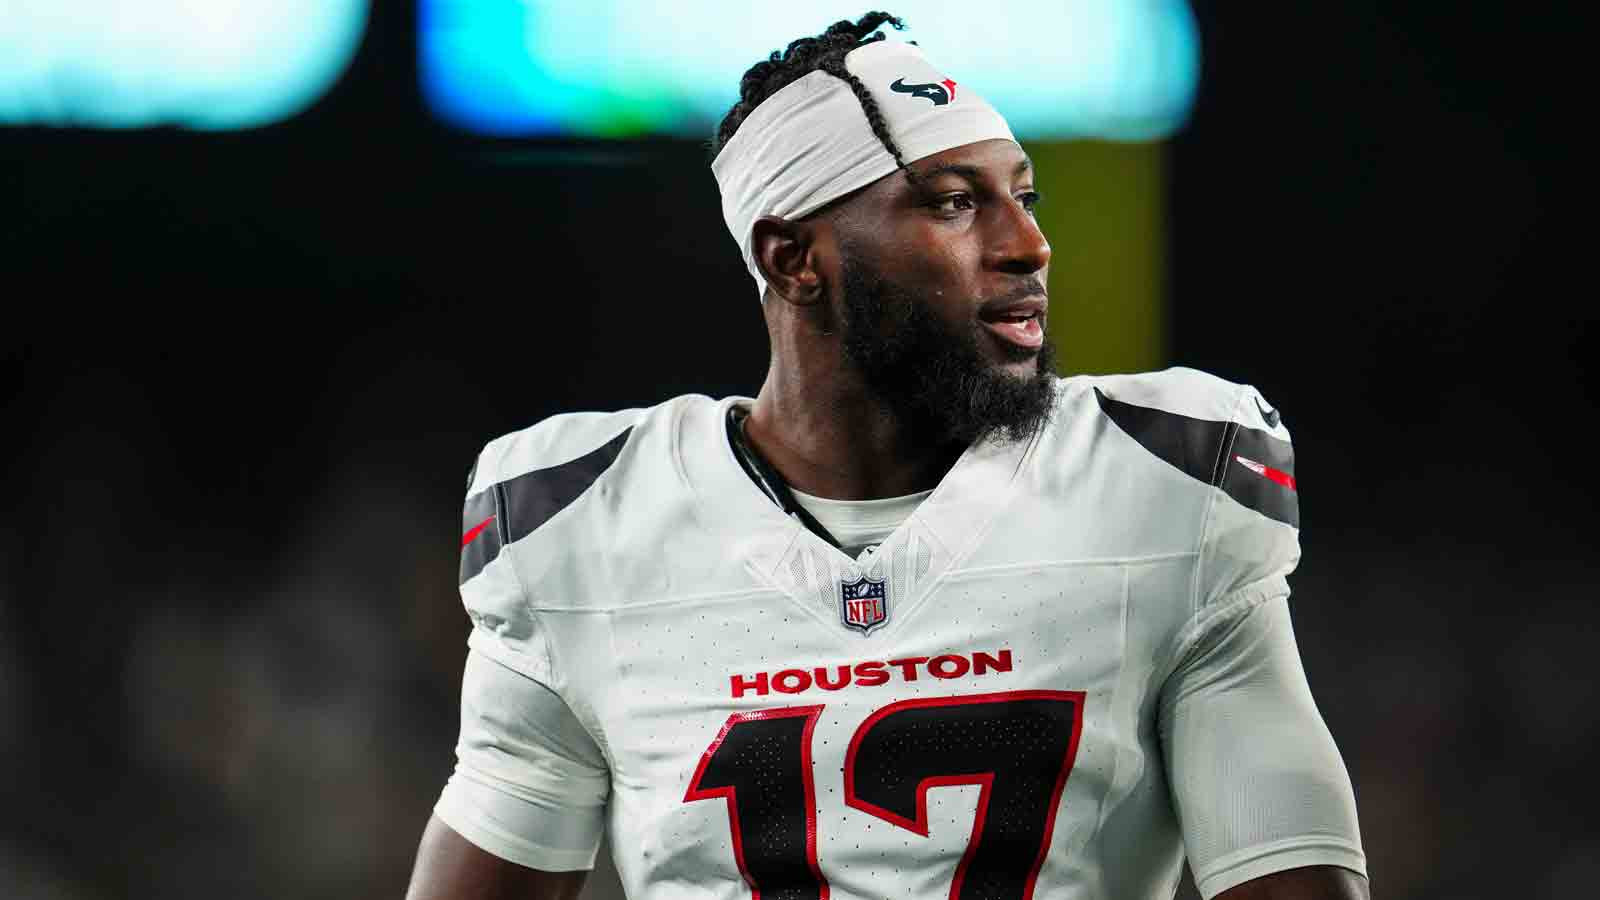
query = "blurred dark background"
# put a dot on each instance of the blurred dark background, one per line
(244, 376)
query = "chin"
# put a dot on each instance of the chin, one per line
(1024, 369)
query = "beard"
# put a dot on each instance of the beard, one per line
(933, 377)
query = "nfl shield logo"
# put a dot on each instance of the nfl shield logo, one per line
(864, 603)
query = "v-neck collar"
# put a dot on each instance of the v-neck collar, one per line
(782, 552)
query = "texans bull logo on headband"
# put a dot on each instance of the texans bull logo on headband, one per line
(940, 93)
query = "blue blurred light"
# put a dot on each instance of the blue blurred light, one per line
(205, 64)
(1115, 69)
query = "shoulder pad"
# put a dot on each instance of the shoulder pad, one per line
(1215, 431)
(525, 478)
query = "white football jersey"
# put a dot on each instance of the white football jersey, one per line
(1069, 666)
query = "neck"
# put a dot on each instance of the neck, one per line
(830, 437)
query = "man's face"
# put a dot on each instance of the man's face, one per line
(941, 297)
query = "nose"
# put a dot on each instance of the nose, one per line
(1017, 246)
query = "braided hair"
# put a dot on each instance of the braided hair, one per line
(824, 52)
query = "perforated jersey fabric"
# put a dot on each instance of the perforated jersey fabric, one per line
(1080, 669)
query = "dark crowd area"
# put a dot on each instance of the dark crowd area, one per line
(244, 375)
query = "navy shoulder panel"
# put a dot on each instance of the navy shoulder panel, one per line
(507, 511)
(1251, 466)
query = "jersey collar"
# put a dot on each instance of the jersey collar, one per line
(781, 552)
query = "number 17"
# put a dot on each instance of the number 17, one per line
(1018, 745)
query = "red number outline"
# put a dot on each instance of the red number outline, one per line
(727, 793)
(985, 779)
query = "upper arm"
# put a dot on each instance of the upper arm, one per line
(449, 867)
(1255, 776)
(526, 803)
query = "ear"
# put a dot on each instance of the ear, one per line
(785, 253)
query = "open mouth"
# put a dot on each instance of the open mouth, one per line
(1022, 326)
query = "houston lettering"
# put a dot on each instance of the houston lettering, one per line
(870, 674)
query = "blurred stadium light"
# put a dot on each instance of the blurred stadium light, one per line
(203, 64)
(1122, 70)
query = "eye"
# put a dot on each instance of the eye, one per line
(953, 203)
(1029, 200)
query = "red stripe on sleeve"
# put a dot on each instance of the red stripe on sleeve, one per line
(477, 529)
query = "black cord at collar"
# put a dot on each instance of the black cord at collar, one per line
(767, 478)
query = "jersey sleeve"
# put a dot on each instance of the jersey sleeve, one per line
(1255, 776)
(1257, 781)
(530, 783)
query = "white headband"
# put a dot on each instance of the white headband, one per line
(810, 143)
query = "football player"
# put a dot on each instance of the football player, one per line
(921, 620)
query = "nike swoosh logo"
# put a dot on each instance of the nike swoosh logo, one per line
(1271, 415)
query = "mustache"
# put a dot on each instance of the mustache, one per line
(1026, 288)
